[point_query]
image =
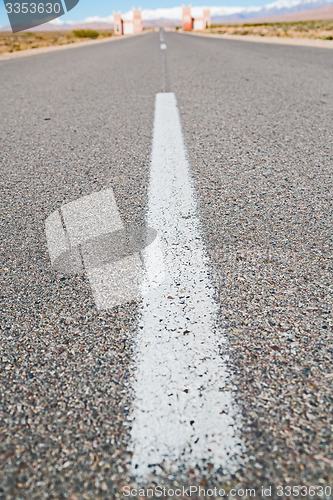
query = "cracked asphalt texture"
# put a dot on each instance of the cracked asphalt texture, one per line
(257, 123)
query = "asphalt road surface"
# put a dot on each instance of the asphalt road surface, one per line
(242, 138)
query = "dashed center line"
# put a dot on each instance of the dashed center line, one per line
(183, 413)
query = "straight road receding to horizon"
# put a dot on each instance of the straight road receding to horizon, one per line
(167, 289)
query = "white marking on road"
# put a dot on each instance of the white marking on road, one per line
(163, 46)
(183, 412)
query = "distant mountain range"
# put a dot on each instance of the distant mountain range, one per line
(278, 8)
(293, 10)
(321, 14)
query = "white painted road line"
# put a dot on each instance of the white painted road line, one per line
(163, 46)
(183, 411)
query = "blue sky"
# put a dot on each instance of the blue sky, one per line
(104, 8)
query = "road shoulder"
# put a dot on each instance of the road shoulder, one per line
(42, 50)
(303, 42)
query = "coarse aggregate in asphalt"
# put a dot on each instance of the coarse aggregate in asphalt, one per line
(257, 122)
(260, 140)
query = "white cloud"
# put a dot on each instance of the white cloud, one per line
(57, 22)
(98, 19)
(285, 4)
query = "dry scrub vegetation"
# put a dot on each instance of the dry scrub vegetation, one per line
(12, 42)
(305, 29)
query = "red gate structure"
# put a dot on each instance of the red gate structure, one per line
(128, 27)
(190, 23)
